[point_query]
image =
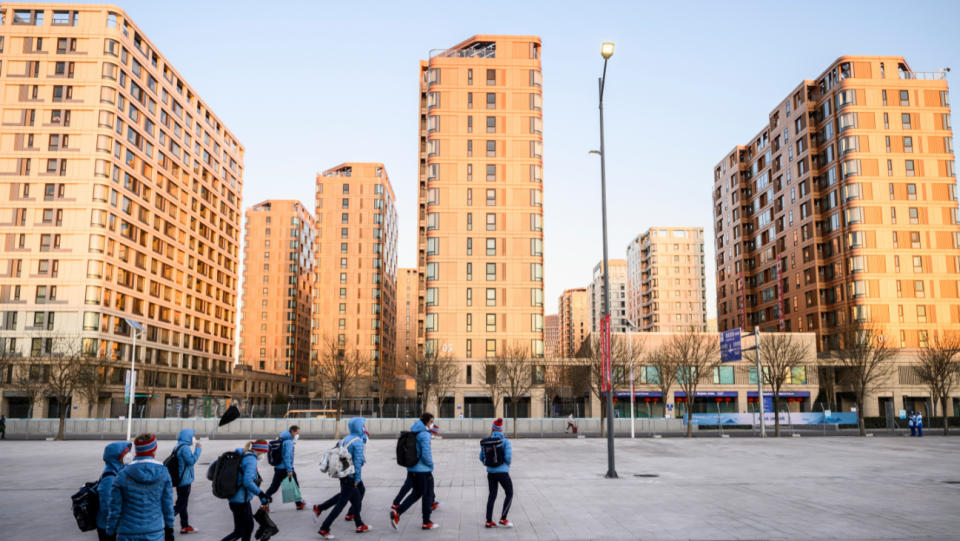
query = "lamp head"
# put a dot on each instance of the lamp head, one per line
(606, 50)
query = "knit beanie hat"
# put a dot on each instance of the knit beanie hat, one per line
(498, 425)
(146, 445)
(260, 446)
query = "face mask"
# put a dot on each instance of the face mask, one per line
(195, 440)
(260, 457)
(127, 459)
(296, 437)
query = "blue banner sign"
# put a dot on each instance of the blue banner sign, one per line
(730, 346)
(749, 419)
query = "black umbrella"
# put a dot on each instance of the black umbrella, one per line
(229, 416)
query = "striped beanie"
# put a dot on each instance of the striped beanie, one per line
(498, 425)
(260, 446)
(145, 445)
(434, 428)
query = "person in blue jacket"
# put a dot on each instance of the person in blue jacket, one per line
(285, 468)
(350, 486)
(113, 462)
(499, 475)
(422, 476)
(434, 429)
(141, 498)
(919, 422)
(319, 509)
(187, 458)
(239, 503)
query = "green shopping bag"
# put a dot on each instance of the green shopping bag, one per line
(291, 492)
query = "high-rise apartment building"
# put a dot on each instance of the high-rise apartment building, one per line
(278, 261)
(551, 335)
(843, 209)
(120, 199)
(406, 340)
(667, 290)
(618, 296)
(355, 303)
(480, 223)
(574, 312)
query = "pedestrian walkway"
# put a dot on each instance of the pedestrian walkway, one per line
(707, 488)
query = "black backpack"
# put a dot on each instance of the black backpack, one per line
(86, 504)
(172, 463)
(226, 474)
(492, 452)
(275, 454)
(407, 455)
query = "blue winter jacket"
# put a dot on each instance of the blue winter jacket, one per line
(248, 478)
(507, 455)
(425, 464)
(287, 450)
(357, 440)
(141, 502)
(187, 456)
(112, 458)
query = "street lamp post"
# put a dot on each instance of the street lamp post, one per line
(606, 50)
(135, 327)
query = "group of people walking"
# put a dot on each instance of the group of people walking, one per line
(915, 421)
(136, 497)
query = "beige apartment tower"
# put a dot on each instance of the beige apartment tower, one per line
(277, 288)
(619, 323)
(551, 335)
(354, 308)
(843, 209)
(667, 290)
(574, 324)
(480, 215)
(120, 199)
(406, 341)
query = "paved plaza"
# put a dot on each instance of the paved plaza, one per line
(707, 488)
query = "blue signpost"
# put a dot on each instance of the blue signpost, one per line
(730, 346)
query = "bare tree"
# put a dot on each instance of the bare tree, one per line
(60, 371)
(383, 382)
(515, 367)
(340, 371)
(666, 368)
(779, 355)
(446, 372)
(590, 357)
(695, 355)
(556, 382)
(938, 367)
(493, 380)
(864, 359)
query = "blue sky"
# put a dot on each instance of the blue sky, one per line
(307, 85)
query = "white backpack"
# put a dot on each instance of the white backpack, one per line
(337, 462)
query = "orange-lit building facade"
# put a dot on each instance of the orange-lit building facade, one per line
(618, 296)
(278, 276)
(667, 288)
(480, 213)
(406, 340)
(120, 198)
(354, 301)
(843, 208)
(574, 325)
(551, 335)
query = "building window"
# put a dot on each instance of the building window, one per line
(491, 222)
(491, 272)
(491, 348)
(491, 198)
(491, 124)
(491, 172)
(491, 297)
(469, 272)
(904, 98)
(491, 322)
(905, 119)
(491, 100)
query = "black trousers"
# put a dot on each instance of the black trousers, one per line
(422, 488)
(183, 499)
(348, 493)
(242, 522)
(336, 497)
(501, 479)
(102, 535)
(407, 485)
(278, 476)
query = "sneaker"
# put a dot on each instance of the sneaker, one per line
(325, 534)
(394, 519)
(429, 526)
(187, 529)
(490, 524)
(506, 523)
(348, 517)
(363, 528)
(316, 512)
(301, 506)
(266, 508)
(434, 506)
